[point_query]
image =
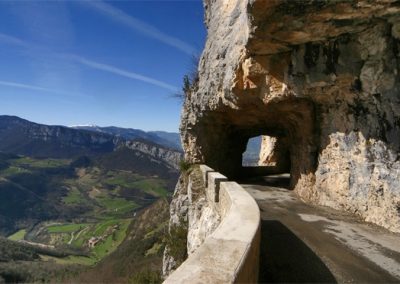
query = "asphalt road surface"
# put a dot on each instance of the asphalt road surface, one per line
(309, 244)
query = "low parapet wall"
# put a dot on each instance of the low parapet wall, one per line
(231, 253)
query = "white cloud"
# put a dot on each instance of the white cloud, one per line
(120, 72)
(140, 26)
(36, 88)
(90, 63)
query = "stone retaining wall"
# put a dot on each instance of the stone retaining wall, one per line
(231, 253)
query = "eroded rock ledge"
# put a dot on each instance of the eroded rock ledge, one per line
(321, 76)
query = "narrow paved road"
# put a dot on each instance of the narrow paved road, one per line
(304, 243)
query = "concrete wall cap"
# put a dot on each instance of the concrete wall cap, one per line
(243, 218)
(204, 170)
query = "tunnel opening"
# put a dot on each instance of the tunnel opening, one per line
(286, 127)
(267, 161)
(251, 156)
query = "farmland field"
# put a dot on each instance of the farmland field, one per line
(18, 235)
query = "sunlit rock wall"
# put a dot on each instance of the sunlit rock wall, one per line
(320, 75)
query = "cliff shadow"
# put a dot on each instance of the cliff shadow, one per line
(284, 258)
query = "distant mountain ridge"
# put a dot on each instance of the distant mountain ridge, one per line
(22, 137)
(167, 139)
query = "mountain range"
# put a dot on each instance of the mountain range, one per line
(167, 139)
(22, 137)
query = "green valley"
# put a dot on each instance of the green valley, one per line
(70, 214)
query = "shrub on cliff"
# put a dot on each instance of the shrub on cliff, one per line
(184, 166)
(190, 80)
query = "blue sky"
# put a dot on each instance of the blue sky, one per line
(97, 62)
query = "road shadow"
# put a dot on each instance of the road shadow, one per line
(282, 181)
(284, 258)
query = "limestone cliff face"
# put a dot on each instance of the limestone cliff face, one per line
(178, 219)
(189, 210)
(170, 156)
(321, 79)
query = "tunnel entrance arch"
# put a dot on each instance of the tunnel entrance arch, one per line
(287, 127)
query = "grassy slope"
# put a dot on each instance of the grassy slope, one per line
(20, 235)
(100, 191)
(26, 185)
(140, 253)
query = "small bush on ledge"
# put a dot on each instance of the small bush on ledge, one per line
(184, 166)
(190, 80)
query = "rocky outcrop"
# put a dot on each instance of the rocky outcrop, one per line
(319, 77)
(203, 219)
(169, 156)
(275, 152)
